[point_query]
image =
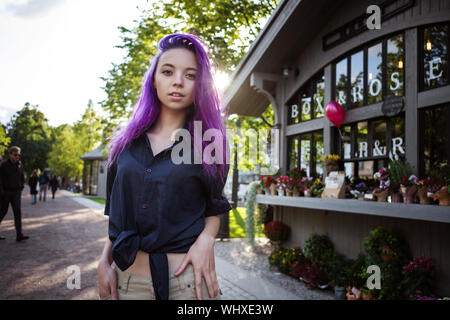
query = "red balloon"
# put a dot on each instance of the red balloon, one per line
(335, 113)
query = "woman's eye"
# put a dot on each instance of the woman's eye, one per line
(167, 72)
(191, 76)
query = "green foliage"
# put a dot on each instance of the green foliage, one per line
(4, 141)
(380, 244)
(397, 170)
(29, 130)
(320, 250)
(286, 259)
(250, 208)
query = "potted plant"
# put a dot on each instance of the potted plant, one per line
(282, 182)
(360, 189)
(443, 194)
(381, 192)
(331, 162)
(409, 188)
(277, 232)
(318, 187)
(419, 274)
(423, 187)
(296, 175)
(397, 171)
(269, 184)
(307, 183)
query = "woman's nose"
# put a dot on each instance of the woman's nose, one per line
(178, 79)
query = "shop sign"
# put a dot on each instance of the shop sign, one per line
(392, 106)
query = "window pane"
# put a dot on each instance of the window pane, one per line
(374, 80)
(318, 148)
(319, 98)
(341, 83)
(349, 169)
(306, 104)
(293, 114)
(398, 142)
(435, 137)
(395, 66)
(357, 80)
(346, 142)
(379, 138)
(305, 144)
(435, 55)
(293, 153)
(361, 150)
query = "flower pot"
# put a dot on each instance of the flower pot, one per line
(289, 192)
(409, 193)
(308, 193)
(423, 197)
(397, 197)
(280, 192)
(339, 293)
(259, 191)
(366, 296)
(267, 190)
(273, 189)
(443, 196)
(295, 193)
(331, 165)
(381, 196)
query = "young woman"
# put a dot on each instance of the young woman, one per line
(164, 215)
(32, 182)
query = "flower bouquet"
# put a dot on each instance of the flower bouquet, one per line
(331, 162)
(296, 175)
(268, 183)
(359, 190)
(307, 184)
(382, 191)
(408, 188)
(282, 184)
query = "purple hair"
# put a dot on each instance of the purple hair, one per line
(205, 108)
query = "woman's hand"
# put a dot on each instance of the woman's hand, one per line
(201, 256)
(107, 280)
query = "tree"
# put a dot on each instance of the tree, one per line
(4, 140)
(29, 130)
(71, 142)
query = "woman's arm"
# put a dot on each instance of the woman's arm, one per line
(201, 256)
(107, 277)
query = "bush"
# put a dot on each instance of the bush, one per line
(389, 251)
(286, 260)
(320, 250)
(419, 276)
(277, 231)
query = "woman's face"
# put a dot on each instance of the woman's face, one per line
(175, 78)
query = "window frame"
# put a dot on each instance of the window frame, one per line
(312, 155)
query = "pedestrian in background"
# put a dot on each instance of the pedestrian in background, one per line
(43, 184)
(32, 182)
(11, 175)
(54, 185)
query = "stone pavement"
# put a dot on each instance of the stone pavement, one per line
(71, 231)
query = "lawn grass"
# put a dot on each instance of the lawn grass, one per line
(237, 223)
(99, 200)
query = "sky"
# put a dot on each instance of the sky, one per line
(53, 53)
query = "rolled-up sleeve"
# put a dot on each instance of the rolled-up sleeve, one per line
(110, 177)
(216, 202)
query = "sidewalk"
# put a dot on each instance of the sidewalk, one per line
(71, 230)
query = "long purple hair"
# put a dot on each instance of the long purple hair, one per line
(205, 108)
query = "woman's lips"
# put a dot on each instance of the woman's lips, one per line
(175, 97)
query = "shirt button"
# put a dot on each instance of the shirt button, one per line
(144, 206)
(149, 170)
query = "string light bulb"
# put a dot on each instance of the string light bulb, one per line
(429, 45)
(400, 64)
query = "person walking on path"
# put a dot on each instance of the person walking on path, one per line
(43, 185)
(164, 216)
(32, 182)
(53, 184)
(11, 174)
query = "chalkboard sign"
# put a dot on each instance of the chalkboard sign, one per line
(392, 106)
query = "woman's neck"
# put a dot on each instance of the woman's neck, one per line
(168, 121)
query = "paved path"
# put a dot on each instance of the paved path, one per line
(71, 231)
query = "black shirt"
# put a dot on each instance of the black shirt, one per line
(11, 175)
(158, 207)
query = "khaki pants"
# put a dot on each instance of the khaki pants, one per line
(132, 287)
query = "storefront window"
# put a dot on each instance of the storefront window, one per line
(395, 66)
(357, 80)
(341, 83)
(436, 135)
(374, 74)
(435, 56)
(309, 102)
(301, 155)
(367, 142)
